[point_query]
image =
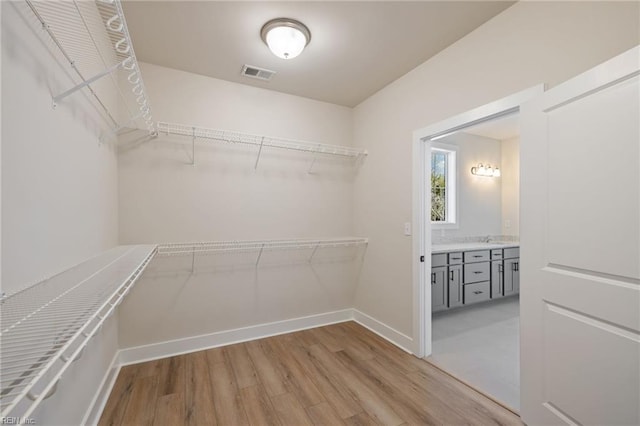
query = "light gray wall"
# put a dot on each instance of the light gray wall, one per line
(59, 186)
(163, 198)
(528, 44)
(511, 186)
(479, 199)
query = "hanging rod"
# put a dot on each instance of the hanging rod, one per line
(46, 327)
(181, 249)
(258, 140)
(94, 39)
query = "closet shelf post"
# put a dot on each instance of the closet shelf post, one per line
(315, 155)
(255, 167)
(313, 253)
(193, 152)
(259, 255)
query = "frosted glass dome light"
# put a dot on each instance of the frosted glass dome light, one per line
(285, 37)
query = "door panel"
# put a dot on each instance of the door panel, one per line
(580, 249)
(593, 162)
(574, 383)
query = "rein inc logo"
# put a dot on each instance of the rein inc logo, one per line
(17, 421)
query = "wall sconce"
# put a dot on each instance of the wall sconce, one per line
(487, 171)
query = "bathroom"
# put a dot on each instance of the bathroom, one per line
(475, 256)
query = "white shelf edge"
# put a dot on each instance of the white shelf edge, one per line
(231, 246)
(43, 373)
(231, 136)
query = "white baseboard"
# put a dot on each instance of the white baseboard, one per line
(402, 341)
(197, 343)
(102, 395)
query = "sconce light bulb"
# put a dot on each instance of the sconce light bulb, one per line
(488, 171)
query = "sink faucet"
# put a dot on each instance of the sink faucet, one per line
(487, 239)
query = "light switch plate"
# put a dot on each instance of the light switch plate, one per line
(407, 228)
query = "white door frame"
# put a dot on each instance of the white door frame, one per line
(422, 204)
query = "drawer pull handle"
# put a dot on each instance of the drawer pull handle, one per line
(455, 258)
(477, 255)
(477, 272)
(477, 292)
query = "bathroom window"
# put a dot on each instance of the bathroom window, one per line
(443, 184)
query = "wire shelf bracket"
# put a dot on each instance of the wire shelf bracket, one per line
(260, 141)
(85, 83)
(46, 327)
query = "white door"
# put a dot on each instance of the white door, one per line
(580, 249)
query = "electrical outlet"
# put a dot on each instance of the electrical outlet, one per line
(407, 228)
(507, 224)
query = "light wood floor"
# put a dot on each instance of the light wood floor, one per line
(340, 374)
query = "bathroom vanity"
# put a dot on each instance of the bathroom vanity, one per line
(467, 273)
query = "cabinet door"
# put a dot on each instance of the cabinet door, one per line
(511, 276)
(455, 285)
(497, 279)
(438, 288)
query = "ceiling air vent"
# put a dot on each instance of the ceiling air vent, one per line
(255, 72)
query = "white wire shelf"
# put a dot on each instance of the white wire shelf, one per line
(47, 326)
(260, 141)
(203, 248)
(93, 38)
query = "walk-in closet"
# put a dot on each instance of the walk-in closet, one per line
(212, 212)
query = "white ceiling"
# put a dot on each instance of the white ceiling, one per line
(356, 48)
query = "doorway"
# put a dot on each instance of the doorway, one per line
(475, 322)
(467, 316)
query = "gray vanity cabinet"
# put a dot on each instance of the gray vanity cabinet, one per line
(497, 279)
(511, 275)
(461, 278)
(455, 286)
(439, 288)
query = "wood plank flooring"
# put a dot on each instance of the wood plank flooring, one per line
(341, 374)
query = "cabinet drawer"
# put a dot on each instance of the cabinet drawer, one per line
(455, 258)
(476, 292)
(439, 259)
(510, 253)
(496, 254)
(475, 272)
(476, 256)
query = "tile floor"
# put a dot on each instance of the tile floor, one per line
(480, 345)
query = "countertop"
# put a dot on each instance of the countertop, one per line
(444, 248)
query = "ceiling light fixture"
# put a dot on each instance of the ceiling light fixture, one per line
(285, 37)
